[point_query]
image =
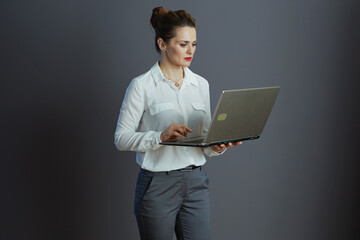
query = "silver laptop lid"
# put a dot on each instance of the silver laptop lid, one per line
(241, 113)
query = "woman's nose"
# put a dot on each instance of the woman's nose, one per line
(190, 50)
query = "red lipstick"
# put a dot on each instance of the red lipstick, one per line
(188, 58)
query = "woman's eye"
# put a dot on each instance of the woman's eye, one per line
(184, 44)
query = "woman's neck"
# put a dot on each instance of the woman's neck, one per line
(171, 71)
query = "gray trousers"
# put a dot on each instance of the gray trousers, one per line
(175, 201)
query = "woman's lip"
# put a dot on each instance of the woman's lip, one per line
(188, 58)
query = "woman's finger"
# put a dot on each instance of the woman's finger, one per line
(188, 129)
(233, 144)
(181, 131)
(215, 148)
(184, 130)
(176, 134)
(220, 147)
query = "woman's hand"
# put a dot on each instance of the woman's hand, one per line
(175, 130)
(221, 147)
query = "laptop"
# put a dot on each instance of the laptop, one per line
(239, 116)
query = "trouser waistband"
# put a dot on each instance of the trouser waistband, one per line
(189, 168)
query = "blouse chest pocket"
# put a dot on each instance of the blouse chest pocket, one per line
(198, 107)
(160, 107)
(196, 119)
(161, 116)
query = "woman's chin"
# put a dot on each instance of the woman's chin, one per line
(186, 64)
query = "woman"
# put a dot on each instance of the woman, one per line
(165, 103)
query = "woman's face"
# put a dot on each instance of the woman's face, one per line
(181, 48)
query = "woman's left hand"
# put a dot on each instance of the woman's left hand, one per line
(221, 147)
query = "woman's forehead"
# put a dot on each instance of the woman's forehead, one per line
(185, 34)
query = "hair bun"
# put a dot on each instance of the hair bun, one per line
(156, 14)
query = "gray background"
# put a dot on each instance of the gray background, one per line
(65, 66)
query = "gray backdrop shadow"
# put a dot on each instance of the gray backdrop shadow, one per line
(65, 67)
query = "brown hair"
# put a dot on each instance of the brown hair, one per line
(166, 21)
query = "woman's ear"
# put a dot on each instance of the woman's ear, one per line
(161, 44)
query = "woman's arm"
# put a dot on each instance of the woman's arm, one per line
(126, 137)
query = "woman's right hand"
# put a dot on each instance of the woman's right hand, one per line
(173, 131)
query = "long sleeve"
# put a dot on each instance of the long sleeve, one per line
(126, 136)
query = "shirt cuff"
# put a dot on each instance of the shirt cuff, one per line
(157, 140)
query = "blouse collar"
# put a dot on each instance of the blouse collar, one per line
(158, 76)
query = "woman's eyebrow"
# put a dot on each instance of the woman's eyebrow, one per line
(186, 41)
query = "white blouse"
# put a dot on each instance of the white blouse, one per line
(151, 104)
